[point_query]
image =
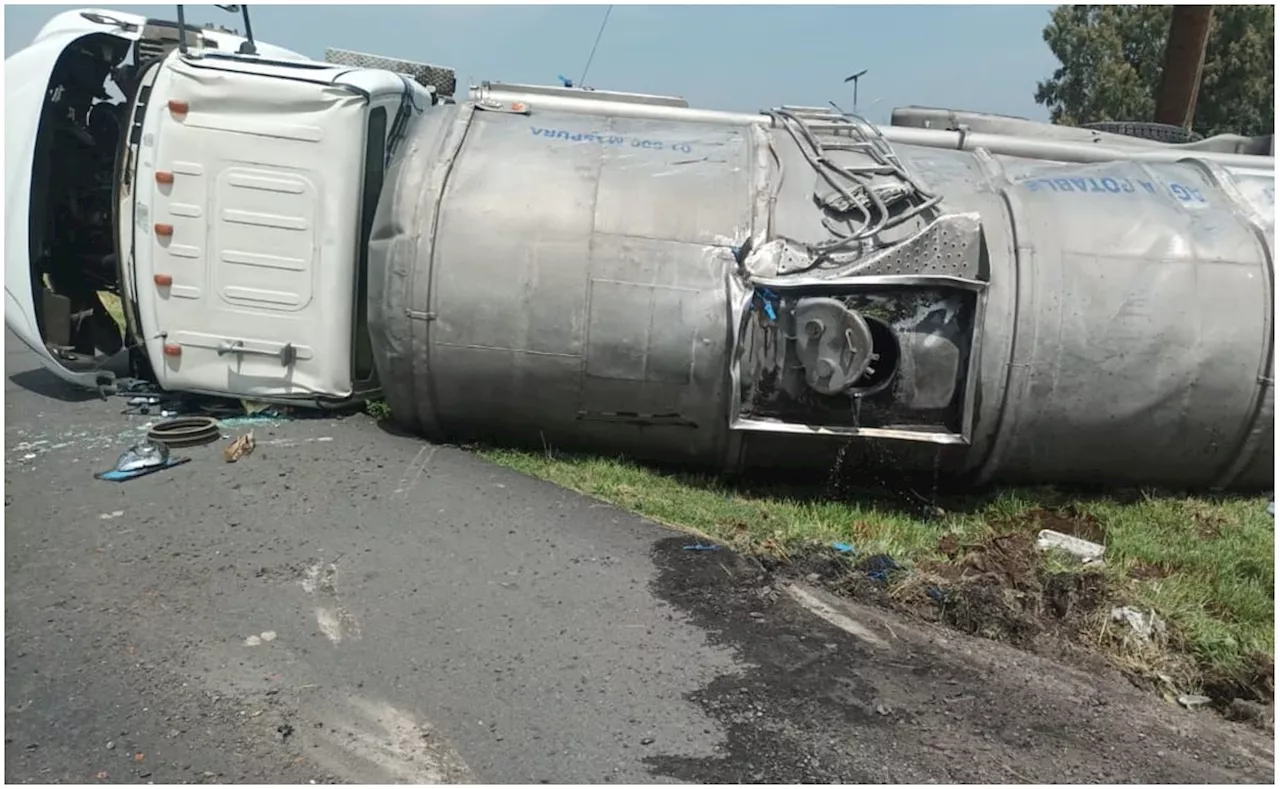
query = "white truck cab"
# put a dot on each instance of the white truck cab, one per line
(227, 200)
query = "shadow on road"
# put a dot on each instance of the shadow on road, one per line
(46, 384)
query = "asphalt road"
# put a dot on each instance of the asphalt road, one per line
(345, 605)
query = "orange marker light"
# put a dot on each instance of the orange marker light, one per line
(163, 229)
(178, 107)
(163, 280)
(164, 177)
(172, 349)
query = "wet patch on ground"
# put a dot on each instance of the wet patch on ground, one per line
(1002, 588)
(886, 699)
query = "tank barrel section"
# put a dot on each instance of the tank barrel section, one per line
(727, 291)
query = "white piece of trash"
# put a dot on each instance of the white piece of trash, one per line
(1086, 550)
(1192, 700)
(1143, 623)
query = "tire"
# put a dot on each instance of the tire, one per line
(444, 80)
(1157, 132)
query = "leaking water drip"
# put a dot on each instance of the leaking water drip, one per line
(884, 470)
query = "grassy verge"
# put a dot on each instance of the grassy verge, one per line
(1206, 566)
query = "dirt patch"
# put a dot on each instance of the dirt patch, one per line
(1256, 683)
(1208, 525)
(817, 700)
(997, 588)
(1000, 588)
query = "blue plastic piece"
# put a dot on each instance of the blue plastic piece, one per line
(844, 547)
(879, 567)
(115, 475)
(697, 546)
(767, 298)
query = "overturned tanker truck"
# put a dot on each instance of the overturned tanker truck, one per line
(625, 274)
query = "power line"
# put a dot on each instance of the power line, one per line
(603, 23)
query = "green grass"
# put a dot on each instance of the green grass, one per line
(378, 409)
(1206, 565)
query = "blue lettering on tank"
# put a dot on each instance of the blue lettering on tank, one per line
(1082, 185)
(612, 139)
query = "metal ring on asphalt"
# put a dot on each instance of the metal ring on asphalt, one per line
(189, 431)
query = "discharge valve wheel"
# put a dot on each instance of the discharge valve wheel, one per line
(834, 344)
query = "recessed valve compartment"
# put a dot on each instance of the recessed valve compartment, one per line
(885, 357)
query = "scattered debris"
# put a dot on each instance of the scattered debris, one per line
(139, 460)
(239, 447)
(882, 710)
(235, 422)
(1271, 507)
(879, 566)
(647, 741)
(1086, 550)
(1192, 700)
(106, 516)
(144, 454)
(253, 408)
(147, 405)
(189, 431)
(697, 546)
(1144, 624)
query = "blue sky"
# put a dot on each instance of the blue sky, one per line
(742, 58)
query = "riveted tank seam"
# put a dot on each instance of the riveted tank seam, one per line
(439, 183)
(996, 179)
(588, 274)
(1246, 445)
(737, 287)
(1022, 273)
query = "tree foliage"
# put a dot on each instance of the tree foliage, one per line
(1112, 58)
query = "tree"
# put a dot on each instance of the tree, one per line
(1112, 57)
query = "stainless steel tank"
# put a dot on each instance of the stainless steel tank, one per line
(730, 291)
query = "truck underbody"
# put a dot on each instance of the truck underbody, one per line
(622, 273)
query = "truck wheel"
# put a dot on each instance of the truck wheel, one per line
(444, 80)
(1158, 132)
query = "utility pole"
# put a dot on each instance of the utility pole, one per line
(854, 79)
(1183, 64)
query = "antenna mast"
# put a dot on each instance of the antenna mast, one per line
(854, 79)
